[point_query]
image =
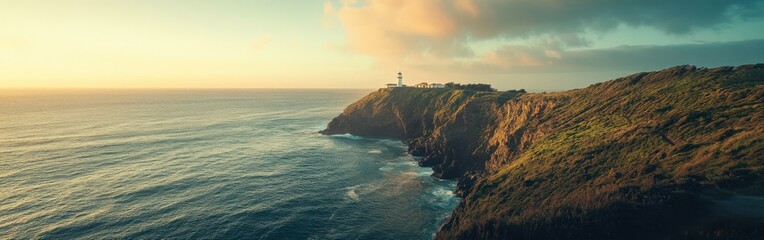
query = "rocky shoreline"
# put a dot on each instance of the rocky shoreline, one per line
(637, 157)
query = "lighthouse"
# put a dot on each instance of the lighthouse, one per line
(400, 82)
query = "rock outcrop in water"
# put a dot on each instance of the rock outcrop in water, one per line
(671, 154)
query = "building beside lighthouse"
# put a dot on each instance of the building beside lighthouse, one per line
(429, 85)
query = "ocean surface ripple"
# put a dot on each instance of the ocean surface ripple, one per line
(204, 164)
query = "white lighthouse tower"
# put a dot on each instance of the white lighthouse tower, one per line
(400, 79)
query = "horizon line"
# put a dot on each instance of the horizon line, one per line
(53, 89)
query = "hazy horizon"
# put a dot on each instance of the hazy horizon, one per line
(15, 91)
(553, 45)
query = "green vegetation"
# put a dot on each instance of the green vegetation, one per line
(633, 158)
(471, 87)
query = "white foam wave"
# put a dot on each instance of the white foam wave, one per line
(443, 193)
(353, 195)
(417, 173)
(348, 136)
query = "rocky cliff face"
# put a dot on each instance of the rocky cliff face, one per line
(445, 127)
(662, 154)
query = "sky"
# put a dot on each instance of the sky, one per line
(511, 44)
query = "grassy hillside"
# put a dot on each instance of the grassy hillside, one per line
(650, 155)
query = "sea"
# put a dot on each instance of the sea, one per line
(205, 164)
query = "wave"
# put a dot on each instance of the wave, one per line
(353, 195)
(441, 193)
(161, 168)
(347, 136)
(356, 137)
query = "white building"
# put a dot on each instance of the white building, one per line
(430, 85)
(437, 85)
(422, 85)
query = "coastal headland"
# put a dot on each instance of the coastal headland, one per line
(670, 154)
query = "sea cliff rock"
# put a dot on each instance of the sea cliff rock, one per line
(447, 128)
(664, 155)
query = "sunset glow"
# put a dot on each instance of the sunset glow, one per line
(359, 44)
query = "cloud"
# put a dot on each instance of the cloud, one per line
(550, 58)
(641, 58)
(524, 56)
(396, 30)
(532, 67)
(393, 29)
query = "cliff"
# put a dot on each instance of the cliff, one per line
(670, 154)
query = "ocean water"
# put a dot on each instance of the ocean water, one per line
(204, 164)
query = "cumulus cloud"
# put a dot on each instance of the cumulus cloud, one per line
(395, 30)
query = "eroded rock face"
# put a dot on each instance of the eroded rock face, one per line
(644, 156)
(447, 128)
